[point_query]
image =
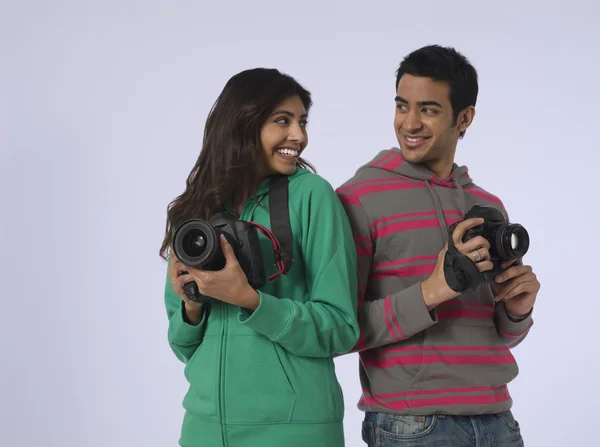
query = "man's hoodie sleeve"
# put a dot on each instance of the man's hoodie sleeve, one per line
(390, 318)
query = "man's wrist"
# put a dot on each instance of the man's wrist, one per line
(518, 318)
(434, 294)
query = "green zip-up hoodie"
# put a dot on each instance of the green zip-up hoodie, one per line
(267, 378)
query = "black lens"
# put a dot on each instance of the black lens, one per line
(519, 241)
(514, 242)
(194, 243)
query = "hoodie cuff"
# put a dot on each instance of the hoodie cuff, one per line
(271, 318)
(513, 327)
(515, 319)
(410, 315)
(183, 332)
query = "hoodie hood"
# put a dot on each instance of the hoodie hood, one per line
(391, 160)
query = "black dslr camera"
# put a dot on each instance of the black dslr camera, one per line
(196, 244)
(508, 241)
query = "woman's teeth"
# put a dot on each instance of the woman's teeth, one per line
(288, 152)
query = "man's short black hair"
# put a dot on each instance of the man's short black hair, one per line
(448, 65)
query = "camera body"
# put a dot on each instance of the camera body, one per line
(508, 241)
(196, 243)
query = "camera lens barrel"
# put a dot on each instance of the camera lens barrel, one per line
(513, 242)
(195, 243)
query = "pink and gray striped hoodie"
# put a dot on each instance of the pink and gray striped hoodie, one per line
(455, 359)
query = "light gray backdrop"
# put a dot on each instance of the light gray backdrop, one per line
(102, 108)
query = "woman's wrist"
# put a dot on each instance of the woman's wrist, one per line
(192, 314)
(250, 299)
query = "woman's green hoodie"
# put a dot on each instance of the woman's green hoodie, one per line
(267, 378)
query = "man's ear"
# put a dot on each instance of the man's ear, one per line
(465, 118)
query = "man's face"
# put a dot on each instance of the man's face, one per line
(424, 124)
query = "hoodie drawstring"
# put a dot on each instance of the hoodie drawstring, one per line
(439, 212)
(461, 194)
(438, 206)
(391, 160)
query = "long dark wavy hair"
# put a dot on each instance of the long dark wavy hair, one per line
(231, 164)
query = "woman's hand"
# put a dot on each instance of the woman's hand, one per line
(178, 279)
(230, 284)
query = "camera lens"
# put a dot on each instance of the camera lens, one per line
(521, 241)
(514, 242)
(195, 243)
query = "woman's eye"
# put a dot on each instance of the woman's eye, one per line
(281, 120)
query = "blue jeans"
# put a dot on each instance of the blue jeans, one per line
(491, 430)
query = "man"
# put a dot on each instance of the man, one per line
(434, 363)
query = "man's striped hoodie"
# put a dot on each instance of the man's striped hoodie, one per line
(454, 359)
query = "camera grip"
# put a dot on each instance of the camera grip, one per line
(191, 291)
(453, 274)
(461, 274)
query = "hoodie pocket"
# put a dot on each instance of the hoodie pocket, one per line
(319, 394)
(257, 389)
(404, 363)
(471, 357)
(202, 374)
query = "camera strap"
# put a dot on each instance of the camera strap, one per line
(276, 249)
(280, 221)
(280, 233)
(461, 274)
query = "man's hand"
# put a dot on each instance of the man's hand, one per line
(435, 288)
(517, 286)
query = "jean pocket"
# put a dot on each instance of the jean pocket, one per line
(367, 433)
(398, 428)
(509, 420)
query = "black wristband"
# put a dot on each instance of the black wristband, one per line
(518, 319)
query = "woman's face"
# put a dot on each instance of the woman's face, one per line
(284, 136)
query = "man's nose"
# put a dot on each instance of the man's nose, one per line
(412, 121)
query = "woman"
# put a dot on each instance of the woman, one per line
(260, 362)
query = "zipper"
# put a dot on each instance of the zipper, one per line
(223, 351)
(226, 312)
(225, 308)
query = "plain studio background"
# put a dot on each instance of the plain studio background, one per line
(102, 110)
